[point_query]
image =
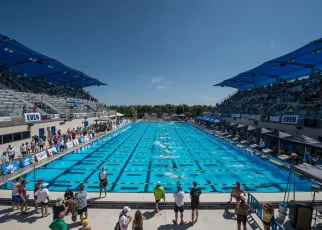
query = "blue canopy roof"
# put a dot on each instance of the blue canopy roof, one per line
(298, 63)
(17, 58)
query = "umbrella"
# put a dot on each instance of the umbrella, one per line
(73, 101)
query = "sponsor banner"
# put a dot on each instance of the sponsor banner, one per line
(235, 115)
(265, 118)
(77, 115)
(70, 116)
(69, 144)
(31, 117)
(5, 119)
(27, 161)
(54, 116)
(10, 168)
(41, 156)
(52, 151)
(63, 116)
(245, 116)
(257, 117)
(252, 117)
(45, 117)
(311, 123)
(76, 143)
(84, 114)
(274, 118)
(290, 119)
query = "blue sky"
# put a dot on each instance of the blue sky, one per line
(169, 51)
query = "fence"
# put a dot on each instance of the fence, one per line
(255, 205)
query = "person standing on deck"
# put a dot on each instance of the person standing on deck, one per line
(158, 195)
(102, 176)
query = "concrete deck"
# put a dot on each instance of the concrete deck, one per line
(106, 219)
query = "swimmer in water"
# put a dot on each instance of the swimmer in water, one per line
(171, 175)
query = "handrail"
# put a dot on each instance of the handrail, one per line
(255, 205)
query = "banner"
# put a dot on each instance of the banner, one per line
(274, 118)
(41, 156)
(31, 117)
(252, 117)
(10, 168)
(70, 116)
(265, 118)
(5, 119)
(76, 115)
(52, 151)
(311, 123)
(290, 119)
(84, 114)
(245, 116)
(27, 161)
(63, 116)
(69, 144)
(54, 116)
(235, 115)
(257, 117)
(45, 117)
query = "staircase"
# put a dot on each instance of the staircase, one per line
(18, 96)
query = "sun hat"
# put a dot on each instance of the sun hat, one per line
(59, 201)
(159, 183)
(44, 185)
(126, 209)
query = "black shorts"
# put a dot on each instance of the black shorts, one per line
(43, 203)
(267, 224)
(103, 184)
(157, 201)
(241, 218)
(81, 211)
(176, 209)
(195, 205)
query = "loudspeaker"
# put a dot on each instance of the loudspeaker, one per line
(300, 215)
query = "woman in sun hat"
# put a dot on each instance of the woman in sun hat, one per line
(58, 208)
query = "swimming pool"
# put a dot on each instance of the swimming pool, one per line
(168, 152)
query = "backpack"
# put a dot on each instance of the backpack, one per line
(117, 225)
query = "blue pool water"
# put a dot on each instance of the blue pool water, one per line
(149, 152)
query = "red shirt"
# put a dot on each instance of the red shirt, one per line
(73, 134)
(37, 187)
(22, 191)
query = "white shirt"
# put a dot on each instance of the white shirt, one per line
(42, 195)
(23, 149)
(4, 159)
(122, 221)
(11, 152)
(103, 175)
(178, 197)
(14, 189)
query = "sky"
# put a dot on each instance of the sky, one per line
(167, 51)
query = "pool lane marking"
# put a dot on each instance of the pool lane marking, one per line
(147, 180)
(124, 166)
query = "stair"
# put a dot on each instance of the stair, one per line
(13, 93)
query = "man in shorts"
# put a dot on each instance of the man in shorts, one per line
(36, 189)
(81, 202)
(11, 153)
(236, 193)
(178, 207)
(242, 211)
(194, 195)
(102, 176)
(15, 193)
(43, 199)
(158, 195)
(23, 196)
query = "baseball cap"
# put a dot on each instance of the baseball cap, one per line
(238, 184)
(126, 209)
(44, 185)
(40, 180)
(159, 183)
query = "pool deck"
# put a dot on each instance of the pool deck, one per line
(214, 219)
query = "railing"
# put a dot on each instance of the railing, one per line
(255, 205)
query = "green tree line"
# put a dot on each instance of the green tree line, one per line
(189, 111)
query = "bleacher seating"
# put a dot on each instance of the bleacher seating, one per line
(9, 105)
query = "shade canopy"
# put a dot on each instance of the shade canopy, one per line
(248, 128)
(304, 140)
(278, 134)
(240, 126)
(262, 130)
(298, 63)
(19, 59)
(73, 101)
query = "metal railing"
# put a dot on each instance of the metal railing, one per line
(255, 205)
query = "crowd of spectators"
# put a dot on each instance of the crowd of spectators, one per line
(277, 98)
(41, 85)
